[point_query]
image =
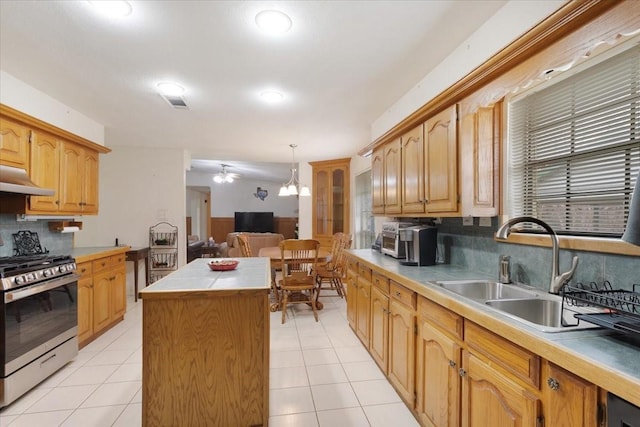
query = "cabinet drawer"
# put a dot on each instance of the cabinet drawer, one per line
(380, 282)
(402, 294)
(514, 360)
(84, 269)
(101, 264)
(446, 320)
(364, 272)
(117, 260)
(352, 264)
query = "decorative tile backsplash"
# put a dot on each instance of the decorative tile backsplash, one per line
(55, 243)
(474, 247)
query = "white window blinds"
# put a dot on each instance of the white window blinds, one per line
(575, 149)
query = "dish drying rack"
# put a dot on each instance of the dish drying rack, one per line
(621, 307)
(163, 250)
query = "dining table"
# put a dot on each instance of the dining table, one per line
(274, 254)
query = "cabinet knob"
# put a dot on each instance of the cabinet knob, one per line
(452, 363)
(462, 372)
(398, 294)
(553, 383)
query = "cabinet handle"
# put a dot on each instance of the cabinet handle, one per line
(452, 363)
(553, 383)
(398, 294)
(462, 372)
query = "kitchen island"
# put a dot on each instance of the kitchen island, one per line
(205, 346)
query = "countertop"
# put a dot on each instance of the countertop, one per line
(600, 356)
(91, 253)
(252, 274)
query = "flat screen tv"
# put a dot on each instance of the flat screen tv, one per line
(254, 222)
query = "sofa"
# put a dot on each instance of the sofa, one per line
(194, 247)
(231, 248)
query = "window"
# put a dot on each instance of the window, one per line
(575, 148)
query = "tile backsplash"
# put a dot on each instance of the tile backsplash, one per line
(473, 247)
(55, 243)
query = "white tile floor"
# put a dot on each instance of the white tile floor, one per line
(320, 375)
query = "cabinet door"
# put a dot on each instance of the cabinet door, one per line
(392, 177)
(377, 181)
(352, 298)
(413, 197)
(363, 310)
(480, 147)
(45, 172)
(401, 349)
(438, 360)
(441, 162)
(85, 308)
(71, 177)
(339, 200)
(101, 300)
(14, 144)
(118, 292)
(379, 327)
(90, 182)
(488, 395)
(322, 196)
(568, 400)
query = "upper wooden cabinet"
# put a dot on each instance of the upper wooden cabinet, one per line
(55, 159)
(14, 144)
(480, 141)
(330, 199)
(441, 163)
(386, 166)
(417, 174)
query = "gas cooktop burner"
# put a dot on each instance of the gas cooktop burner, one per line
(24, 270)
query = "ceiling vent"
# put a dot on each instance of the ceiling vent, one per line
(176, 101)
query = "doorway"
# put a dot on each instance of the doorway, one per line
(199, 212)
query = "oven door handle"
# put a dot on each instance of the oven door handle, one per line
(28, 291)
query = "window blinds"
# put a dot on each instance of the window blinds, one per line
(575, 148)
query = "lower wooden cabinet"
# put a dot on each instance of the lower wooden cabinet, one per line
(489, 396)
(450, 371)
(101, 296)
(438, 381)
(402, 349)
(568, 400)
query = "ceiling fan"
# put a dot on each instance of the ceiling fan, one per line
(224, 176)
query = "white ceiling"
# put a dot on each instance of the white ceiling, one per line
(340, 66)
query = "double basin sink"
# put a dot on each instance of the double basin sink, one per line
(535, 307)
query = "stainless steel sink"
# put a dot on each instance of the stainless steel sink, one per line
(537, 308)
(545, 313)
(485, 290)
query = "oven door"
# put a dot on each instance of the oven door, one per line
(37, 318)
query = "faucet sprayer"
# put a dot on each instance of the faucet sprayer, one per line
(557, 279)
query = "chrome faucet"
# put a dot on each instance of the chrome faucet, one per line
(557, 279)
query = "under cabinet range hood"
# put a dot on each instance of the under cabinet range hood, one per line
(16, 180)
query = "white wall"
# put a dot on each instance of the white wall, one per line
(511, 21)
(17, 94)
(239, 196)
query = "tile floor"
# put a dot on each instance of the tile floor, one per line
(320, 375)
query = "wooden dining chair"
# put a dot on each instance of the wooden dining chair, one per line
(299, 266)
(245, 248)
(333, 272)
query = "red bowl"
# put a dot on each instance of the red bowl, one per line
(223, 264)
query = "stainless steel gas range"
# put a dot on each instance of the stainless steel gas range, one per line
(39, 317)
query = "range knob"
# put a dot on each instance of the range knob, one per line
(48, 272)
(20, 280)
(62, 268)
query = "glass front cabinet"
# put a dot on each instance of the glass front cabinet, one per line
(330, 199)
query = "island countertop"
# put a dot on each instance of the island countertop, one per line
(252, 274)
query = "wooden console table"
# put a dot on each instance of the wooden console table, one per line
(135, 255)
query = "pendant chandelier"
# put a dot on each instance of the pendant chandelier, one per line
(291, 187)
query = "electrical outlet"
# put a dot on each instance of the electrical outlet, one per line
(485, 221)
(467, 220)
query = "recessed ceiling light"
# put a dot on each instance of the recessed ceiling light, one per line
(273, 21)
(113, 8)
(271, 96)
(170, 89)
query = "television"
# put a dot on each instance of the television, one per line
(254, 222)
